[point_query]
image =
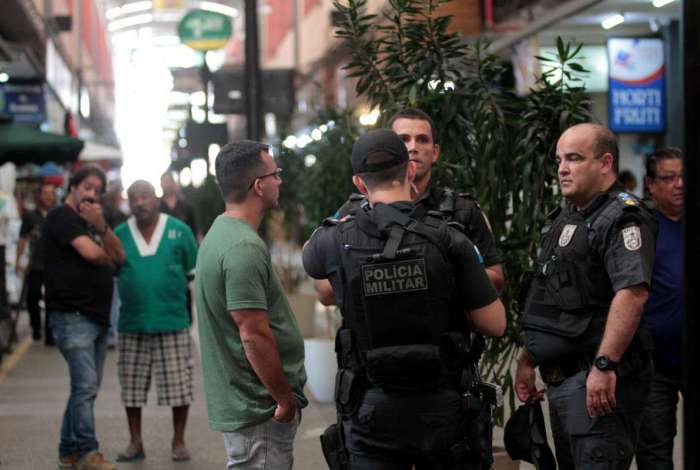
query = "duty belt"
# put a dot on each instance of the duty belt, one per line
(554, 374)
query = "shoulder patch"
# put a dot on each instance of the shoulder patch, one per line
(632, 238)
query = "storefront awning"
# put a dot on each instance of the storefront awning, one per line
(24, 143)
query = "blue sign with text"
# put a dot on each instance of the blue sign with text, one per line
(25, 103)
(636, 97)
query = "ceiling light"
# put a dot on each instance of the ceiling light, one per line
(113, 13)
(219, 8)
(130, 21)
(136, 7)
(661, 3)
(613, 20)
(4, 77)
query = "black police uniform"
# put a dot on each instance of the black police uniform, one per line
(402, 287)
(586, 256)
(455, 207)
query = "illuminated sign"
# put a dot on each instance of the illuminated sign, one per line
(636, 97)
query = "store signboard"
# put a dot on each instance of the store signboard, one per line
(204, 30)
(25, 103)
(636, 97)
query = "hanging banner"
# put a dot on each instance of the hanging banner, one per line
(636, 98)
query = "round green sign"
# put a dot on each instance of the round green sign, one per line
(204, 30)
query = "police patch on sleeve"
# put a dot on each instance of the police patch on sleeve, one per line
(567, 234)
(393, 278)
(632, 237)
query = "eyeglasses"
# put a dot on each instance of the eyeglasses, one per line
(669, 179)
(277, 174)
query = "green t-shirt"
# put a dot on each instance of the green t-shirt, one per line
(153, 279)
(234, 271)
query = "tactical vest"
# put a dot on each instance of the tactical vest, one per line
(396, 302)
(570, 294)
(452, 205)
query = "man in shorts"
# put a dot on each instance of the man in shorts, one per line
(154, 338)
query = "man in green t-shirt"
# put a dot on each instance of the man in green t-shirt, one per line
(160, 254)
(252, 348)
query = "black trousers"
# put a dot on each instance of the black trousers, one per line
(395, 431)
(603, 443)
(34, 281)
(655, 448)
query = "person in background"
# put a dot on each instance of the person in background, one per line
(81, 253)
(30, 232)
(154, 337)
(114, 214)
(663, 313)
(172, 202)
(628, 180)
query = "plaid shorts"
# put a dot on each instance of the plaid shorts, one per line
(169, 355)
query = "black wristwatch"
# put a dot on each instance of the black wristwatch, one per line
(604, 363)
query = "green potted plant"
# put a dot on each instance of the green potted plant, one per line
(493, 142)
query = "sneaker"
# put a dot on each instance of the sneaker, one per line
(94, 461)
(67, 461)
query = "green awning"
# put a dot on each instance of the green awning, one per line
(24, 143)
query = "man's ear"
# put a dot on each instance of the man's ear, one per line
(648, 183)
(608, 162)
(359, 184)
(436, 153)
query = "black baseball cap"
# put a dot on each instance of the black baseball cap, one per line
(378, 141)
(525, 437)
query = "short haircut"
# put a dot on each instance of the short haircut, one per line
(150, 187)
(88, 170)
(606, 142)
(655, 157)
(237, 165)
(414, 113)
(379, 179)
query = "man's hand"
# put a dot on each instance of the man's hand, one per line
(525, 380)
(92, 213)
(19, 270)
(285, 412)
(600, 392)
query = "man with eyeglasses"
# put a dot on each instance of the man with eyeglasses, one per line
(663, 313)
(582, 315)
(252, 348)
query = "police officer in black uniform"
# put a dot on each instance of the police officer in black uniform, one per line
(405, 289)
(582, 315)
(417, 130)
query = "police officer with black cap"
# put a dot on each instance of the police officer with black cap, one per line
(582, 314)
(402, 286)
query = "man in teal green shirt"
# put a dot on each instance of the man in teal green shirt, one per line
(154, 321)
(252, 348)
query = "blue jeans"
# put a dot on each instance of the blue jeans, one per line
(265, 446)
(83, 344)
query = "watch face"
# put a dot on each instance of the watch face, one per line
(601, 362)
